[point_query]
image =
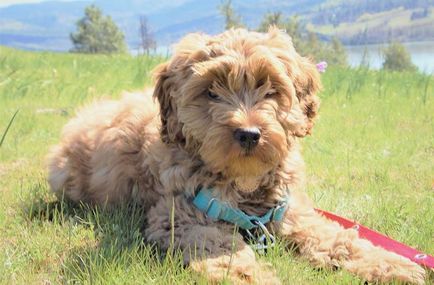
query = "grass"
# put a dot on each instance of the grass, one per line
(371, 158)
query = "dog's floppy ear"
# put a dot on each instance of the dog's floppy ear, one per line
(307, 85)
(164, 91)
(305, 77)
(169, 78)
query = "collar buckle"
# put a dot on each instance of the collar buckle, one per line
(209, 205)
(279, 210)
(261, 239)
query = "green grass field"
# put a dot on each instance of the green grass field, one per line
(371, 158)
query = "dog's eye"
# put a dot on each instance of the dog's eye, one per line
(270, 95)
(213, 96)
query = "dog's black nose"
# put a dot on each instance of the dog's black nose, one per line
(248, 138)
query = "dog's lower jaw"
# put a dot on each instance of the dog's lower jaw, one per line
(247, 184)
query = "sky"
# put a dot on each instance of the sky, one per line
(10, 2)
(4, 3)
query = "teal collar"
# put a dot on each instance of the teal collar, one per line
(218, 210)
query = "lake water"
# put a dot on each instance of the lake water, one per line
(422, 55)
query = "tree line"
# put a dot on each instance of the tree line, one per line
(97, 33)
(306, 43)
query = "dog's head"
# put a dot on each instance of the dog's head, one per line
(237, 100)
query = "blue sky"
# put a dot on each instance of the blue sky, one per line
(11, 2)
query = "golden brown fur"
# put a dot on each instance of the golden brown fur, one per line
(119, 150)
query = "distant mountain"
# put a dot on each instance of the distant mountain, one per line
(374, 21)
(47, 25)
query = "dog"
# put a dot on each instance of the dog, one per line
(216, 160)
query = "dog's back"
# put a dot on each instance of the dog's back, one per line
(100, 156)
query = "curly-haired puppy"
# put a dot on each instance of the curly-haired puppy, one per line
(231, 110)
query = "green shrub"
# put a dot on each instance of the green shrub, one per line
(97, 33)
(396, 57)
(232, 19)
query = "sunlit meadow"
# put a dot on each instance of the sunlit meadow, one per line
(370, 158)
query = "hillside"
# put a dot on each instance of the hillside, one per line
(47, 25)
(372, 21)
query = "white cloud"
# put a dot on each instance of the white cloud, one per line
(4, 3)
(11, 2)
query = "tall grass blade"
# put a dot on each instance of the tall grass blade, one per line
(426, 79)
(7, 128)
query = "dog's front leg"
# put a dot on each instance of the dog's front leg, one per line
(238, 264)
(326, 244)
(213, 249)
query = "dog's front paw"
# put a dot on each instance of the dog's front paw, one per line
(239, 268)
(384, 266)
